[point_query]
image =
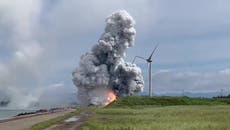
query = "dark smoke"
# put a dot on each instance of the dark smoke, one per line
(104, 69)
(4, 98)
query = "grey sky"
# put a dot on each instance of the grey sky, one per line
(41, 42)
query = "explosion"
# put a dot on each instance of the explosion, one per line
(111, 97)
(103, 74)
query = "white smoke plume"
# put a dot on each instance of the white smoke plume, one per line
(104, 69)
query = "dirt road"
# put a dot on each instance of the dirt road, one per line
(28, 121)
(81, 118)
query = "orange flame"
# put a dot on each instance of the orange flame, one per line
(111, 97)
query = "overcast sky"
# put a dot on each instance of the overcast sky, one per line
(41, 42)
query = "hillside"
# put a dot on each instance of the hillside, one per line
(167, 101)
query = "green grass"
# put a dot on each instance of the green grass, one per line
(162, 113)
(202, 117)
(167, 101)
(45, 124)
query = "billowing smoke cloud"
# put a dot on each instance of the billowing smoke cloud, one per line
(104, 67)
(21, 71)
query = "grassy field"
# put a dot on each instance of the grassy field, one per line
(161, 118)
(162, 113)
